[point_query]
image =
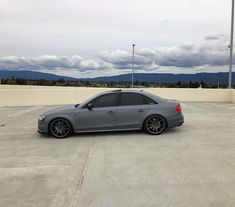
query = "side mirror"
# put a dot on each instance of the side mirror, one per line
(90, 106)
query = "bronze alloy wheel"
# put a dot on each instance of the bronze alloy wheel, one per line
(60, 128)
(155, 124)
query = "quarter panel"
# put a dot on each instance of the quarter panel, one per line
(165, 109)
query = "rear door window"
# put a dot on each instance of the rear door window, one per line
(129, 99)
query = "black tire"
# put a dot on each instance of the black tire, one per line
(60, 128)
(155, 124)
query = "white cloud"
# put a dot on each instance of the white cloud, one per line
(186, 58)
(51, 62)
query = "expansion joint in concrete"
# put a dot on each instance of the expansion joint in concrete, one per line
(76, 198)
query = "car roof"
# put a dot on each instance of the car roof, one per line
(125, 90)
(140, 91)
(120, 91)
(153, 96)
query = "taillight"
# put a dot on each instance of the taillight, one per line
(178, 108)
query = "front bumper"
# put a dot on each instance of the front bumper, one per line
(42, 127)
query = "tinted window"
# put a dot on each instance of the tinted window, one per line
(128, 99)
(108, 100)
(148, 100)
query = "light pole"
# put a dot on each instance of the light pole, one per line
(231, 48)
(132, 65)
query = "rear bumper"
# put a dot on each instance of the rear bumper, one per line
(176, 121)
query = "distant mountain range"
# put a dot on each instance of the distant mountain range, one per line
(31, 75)
(211, 78)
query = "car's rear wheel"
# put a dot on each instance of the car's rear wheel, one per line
(60, 128)
(155, 125)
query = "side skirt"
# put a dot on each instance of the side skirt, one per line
(108, 130)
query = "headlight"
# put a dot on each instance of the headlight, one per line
(41, 118)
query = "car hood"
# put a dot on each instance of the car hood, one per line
(63, 109)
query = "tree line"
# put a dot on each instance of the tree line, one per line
(111, 84)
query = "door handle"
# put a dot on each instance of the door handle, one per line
(140, 110)
(110, 112)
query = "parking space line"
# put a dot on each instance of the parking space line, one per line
(215, 104)
(3, 108)
(21, 127)
(17, 133)
(194, 108)
(25, 111)
(224, 106)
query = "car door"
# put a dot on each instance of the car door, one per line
(131, 110)
(102, 116)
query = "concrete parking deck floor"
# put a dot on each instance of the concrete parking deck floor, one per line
(193, 165)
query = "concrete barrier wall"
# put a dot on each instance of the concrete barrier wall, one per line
(198, 94)
(233, 96)
(11, 95)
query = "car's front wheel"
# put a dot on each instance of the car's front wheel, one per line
(60, 128)
(155, 125)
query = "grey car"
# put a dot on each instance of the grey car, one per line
(113, 111)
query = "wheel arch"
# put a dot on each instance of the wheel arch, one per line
(60, 117)
(155, 114)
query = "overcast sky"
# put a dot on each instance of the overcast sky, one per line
(88, 38)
